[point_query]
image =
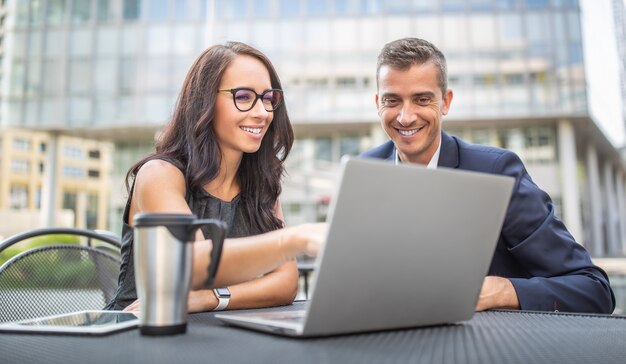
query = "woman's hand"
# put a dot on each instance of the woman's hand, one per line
(303, 239)
(199, 301)
(134, 307)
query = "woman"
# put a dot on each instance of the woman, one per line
(221, 156)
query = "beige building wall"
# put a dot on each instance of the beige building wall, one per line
(82, 175)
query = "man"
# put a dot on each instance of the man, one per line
(537, 264)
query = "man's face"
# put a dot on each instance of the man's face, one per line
(410, 106)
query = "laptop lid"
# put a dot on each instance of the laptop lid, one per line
(407, 246)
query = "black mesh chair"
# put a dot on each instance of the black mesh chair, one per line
(58, 278)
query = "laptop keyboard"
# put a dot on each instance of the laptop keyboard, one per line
(288, 316)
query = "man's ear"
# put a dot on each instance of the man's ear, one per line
(447, 101)
(376, 101)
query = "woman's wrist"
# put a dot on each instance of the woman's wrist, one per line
(288, 244)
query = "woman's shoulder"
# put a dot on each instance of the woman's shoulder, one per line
(160, 170)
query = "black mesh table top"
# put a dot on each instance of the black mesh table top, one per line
(490, 337)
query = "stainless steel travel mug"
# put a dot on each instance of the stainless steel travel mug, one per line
(163, 265)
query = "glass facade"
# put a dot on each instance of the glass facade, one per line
(114, 64)
(506, 58)
(99, 63)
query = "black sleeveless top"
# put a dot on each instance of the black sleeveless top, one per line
(204, 206)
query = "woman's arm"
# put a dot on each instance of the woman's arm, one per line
(276, 288)
(160, 187)
(247, 258)
(279, 287)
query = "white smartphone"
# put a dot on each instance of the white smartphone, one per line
(75, 323)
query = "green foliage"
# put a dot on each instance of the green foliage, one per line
(56, 273)
(8, 253)
(53, 240)
(36, 242)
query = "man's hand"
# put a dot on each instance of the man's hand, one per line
(497, 292)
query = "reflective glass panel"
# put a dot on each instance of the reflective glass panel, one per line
(55, 14)
(33, 84)
(131, 9)
(182, 10)
(79, 76)
(52, 77)
(372, 7)
(81, 11)
(105, 76)
(156, 74)
(289, 8)
(425, 5)
(103, 10)
(317, 8)
(36, 11)
(81, 43)
(157, 10)
(345, 7)
(107, 41)
(80, 109)
(17, 77)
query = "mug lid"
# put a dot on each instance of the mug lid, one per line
(160, 219)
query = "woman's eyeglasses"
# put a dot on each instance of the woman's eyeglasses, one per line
(245, 98)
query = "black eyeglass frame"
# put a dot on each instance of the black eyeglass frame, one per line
(233, 91)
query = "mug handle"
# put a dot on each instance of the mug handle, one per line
(217, 234)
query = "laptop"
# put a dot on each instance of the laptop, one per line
(407, 246)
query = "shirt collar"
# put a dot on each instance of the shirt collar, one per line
(433, 161)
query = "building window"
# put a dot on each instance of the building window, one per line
(55, 14)
(42, 147)
(18, 197)
(314, 82)
(318, 8)
(131, 9)
(93, 173)
(158, 10)
(349, 145)
(71, 151)
(346, 82)
(69, 203)
(21, 144)
(81, 11)
(94, 154)
(294, 208)
(92, 212)
(289, 8)
(41, 168)
(69, 171)
(324, 149)
(19, 166)
(103, 10)
(38, 198)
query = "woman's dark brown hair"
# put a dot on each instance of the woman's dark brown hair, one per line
(190, 140)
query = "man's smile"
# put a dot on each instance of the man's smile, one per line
(409, 132)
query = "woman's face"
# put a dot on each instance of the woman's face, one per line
(242, 131)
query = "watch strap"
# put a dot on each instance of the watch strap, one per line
(222, 301)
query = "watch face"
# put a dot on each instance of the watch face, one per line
(223, 292)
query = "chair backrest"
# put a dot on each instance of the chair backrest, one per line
(58, 278)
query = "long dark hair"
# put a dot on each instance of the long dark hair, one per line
(189, 138)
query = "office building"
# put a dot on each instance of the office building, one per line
(81, 187)
(520, 70)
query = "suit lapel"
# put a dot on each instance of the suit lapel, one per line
(449, 154)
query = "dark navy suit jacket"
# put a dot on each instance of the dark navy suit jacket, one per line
(548, 268)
